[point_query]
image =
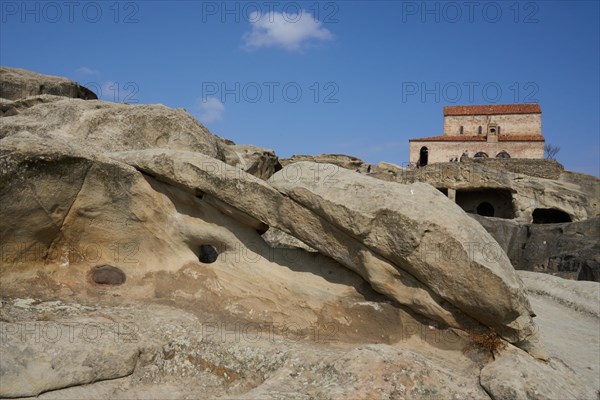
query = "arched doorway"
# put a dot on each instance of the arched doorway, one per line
(481, 154)
(503, 154)
(423, 156)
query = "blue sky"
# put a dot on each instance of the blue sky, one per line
(351, 77)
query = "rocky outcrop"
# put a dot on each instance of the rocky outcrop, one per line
(113, 126)
(582, 297)
(255, 160)
(117, 126)
(474, 182)
(514, 375)
(530, 184)
(18, 83)
(165, 350)
(178, 354)
(568, 317)
(570, 250)
(420, 232)
(202, 175)
(127, 223)
(279, 239)
(341, 160)
(400, 280)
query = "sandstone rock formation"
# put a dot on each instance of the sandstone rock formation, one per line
(474, 182)
(420, 232)
(169, 266)
(525, 195)
(18, 83)
(255, 160)
(435, 288)
(341, 160)
(180, 354)
(118, 126)
(113, 126)
(527, 184)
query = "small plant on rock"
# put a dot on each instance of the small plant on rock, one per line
(484, 341)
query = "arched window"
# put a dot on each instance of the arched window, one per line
(503, 154)
(423, 157)
(480, 154)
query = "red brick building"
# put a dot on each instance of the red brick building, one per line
(503, 130)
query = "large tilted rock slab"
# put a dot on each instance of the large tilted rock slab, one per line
(502, 306)
(423, 233)
(18, 83)
(253, 197)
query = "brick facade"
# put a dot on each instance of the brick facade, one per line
(513, 128)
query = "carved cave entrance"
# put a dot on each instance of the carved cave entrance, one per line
(550, 216)
(487, 202)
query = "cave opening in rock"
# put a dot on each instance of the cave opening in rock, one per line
(108, 275)
(207, 254)
(550, 216)
(489, 202)
(485, 209)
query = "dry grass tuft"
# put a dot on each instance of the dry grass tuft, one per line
(487, 341)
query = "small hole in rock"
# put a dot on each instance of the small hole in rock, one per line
(208, 254)
(108, 275)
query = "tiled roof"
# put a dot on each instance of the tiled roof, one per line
(450, 139)
(493, 109)
(501, 138)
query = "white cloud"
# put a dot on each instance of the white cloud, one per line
(210, 110)
(293, 32)
(87, 71)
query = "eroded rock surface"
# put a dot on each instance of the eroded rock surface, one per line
(571, 250)
(18, 83)
(125, 229)
(421, 232)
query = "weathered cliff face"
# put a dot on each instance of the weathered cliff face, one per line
(570, 250)
(139, 215)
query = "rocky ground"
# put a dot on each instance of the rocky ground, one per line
(145, 257)
(158, 351)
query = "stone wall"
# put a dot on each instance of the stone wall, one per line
(510, 124)
(444, 151)
(540, 168)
